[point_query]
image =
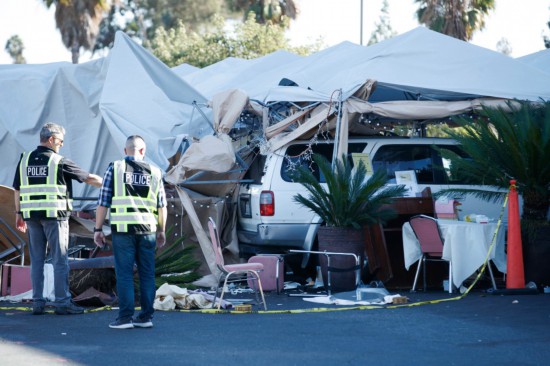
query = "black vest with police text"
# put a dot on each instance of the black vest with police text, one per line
(43, 190)
(135, 197)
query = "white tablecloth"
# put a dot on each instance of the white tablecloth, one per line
(466, 246)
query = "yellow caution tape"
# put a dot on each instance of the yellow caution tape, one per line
(318, 310)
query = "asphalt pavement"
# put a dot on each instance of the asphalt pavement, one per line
(432, 328)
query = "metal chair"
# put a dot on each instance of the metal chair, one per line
(242, 270)
(429, 237)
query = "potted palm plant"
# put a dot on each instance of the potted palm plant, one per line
(346, 204)
(512, 143)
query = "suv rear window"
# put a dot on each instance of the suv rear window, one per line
(425, 160)
(300, 155)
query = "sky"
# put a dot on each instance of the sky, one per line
(521, 22)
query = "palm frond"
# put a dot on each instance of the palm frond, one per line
(505, 144)
(459, 193)
(350, 199)
(179, 260)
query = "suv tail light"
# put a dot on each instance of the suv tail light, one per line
(267, 203)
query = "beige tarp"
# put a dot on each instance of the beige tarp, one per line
(319, 115)
(212, 161)
(227, 107)
(277, 128)
(211, 153)
(188, 214)
(399, 110)
(415, 110)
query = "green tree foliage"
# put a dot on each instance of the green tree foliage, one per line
(250, 40)
(383, 29)
(506, 145)
(456, 18)
(14, 47)
(78, 22)
(167, 14)
(141, 18)
(272, 11)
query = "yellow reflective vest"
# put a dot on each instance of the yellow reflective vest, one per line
(46, 194)
(135, 197)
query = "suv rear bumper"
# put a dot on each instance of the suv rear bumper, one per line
(275, 235)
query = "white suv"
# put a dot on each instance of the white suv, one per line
(269, 220)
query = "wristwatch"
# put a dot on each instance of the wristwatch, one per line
(96, 230)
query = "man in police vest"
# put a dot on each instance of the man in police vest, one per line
(43, 202)
(133, 193)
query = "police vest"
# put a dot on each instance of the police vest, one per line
(41, 190)
(135, 199)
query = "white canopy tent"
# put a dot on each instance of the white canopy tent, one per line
(418, 65)
(99, 103)
(419, 74)
(539, 60)
(102, 101)
(68, 94)
(252, 76)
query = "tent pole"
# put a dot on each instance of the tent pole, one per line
(361, 25)
(196, 106)
(338, 127)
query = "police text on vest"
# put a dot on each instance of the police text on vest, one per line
(37, 171)
(137, 179)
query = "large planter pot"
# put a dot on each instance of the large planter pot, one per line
(536, 255)
(343, 267)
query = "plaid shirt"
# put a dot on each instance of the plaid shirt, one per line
(106, 193)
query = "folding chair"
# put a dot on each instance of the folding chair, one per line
(427, 233)
(227, 270)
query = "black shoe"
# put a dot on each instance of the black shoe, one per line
(70, 309)
(38, 309)
(142, 323)
(121, 324)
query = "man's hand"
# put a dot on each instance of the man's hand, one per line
(20, 224)
(99, 238)
(161, 238)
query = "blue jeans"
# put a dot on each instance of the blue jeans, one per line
(56, 234)
(138, 249)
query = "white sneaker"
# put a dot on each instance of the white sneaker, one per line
(121, 324)
(142, 323)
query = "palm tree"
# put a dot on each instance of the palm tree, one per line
(455, 18)
(545, 38)
(349, 206)
(515, 144)
(273, 11)
(78, 21)
(350, 199)
(504, 145)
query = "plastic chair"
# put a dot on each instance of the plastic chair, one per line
(427, 233)
(242, 270)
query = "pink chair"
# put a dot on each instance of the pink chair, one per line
(241, 270)
(427, 232)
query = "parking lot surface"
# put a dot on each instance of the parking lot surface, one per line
(432, 328)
